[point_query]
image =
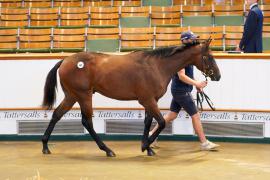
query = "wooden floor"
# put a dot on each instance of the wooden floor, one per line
(174, 160)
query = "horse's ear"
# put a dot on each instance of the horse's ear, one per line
(208, 41)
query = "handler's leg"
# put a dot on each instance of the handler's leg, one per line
(197, 125)
(188, 104)
(169, 117)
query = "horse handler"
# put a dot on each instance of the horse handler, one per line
(182, 85)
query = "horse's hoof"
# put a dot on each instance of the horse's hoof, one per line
(150, 152)
(46, 151)
(111, 154)
(144, 147)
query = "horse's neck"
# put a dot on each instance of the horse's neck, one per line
(173, 64)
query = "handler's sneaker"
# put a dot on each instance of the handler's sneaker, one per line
(208, 146)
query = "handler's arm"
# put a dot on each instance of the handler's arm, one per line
(183, 77)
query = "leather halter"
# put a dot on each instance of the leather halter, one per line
(201, 96)
(207, 71)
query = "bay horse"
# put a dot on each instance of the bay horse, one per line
(139, 75)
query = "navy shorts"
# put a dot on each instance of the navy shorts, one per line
(183, 100)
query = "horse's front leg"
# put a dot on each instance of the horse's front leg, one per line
(161, 126)
(147, 124)
(89, 126)
(152, 109)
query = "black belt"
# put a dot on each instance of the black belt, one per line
(200, 98)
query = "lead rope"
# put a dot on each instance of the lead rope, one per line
(201, 96)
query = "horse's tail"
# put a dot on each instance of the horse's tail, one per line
(50, 87)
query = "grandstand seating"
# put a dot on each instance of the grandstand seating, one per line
(44, 17)
(186, 2)
(166, 16)
(224, 2)
(110, 25)
(92, 3)
(265, 2)
(135, 16)
(14, 17)
(110, 39)
(84, 3)
(8, 40)
(197, 15)
(233, 35)
(35, 40)
(104, 16)
(168, 36)
(74, 16)
(127, 3)
(216, 33)
(157, 2)
(266, 10)
(37, 3)
(218, 2)
(103, 39)
(228, 15)
(266, 39)
(67, 3)
(11, 3)
(207, 29)
(136, 38)
(71, 40)
(138, 16)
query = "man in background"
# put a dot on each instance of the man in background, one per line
(251, 41)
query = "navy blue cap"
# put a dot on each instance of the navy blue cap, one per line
(188, 35)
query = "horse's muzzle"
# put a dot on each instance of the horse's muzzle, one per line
(215, 78)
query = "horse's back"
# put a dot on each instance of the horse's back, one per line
(99, 60)
(120, 77)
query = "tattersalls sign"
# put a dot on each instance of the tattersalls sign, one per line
(133, 114)
(8, 118)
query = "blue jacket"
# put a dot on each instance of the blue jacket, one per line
(179, 86)
(251, 41)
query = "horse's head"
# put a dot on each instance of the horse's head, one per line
(206, 62)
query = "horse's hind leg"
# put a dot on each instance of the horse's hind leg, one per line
(87, 112)
(64, 107)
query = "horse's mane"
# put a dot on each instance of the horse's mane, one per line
(169, 51)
